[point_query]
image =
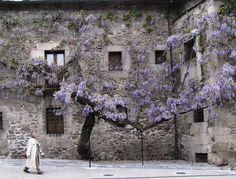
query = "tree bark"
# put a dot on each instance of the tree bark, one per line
(83, 146)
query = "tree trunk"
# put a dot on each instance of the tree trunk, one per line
(83, 146)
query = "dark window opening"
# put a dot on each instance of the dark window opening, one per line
(115, 61)
(55, 57)
(160, 56)
(201, 157)
(189, 52)
(54, 122)
(1, 121)
(198, 115)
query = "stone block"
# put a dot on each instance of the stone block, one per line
(199, 128)
(3, 144)
(218, 122)
(201, 139)
(219, 130)
(222, 138)
(219, 147)
(233, 131)
(201, 148)
(232, 139)
(218, 159)
(231, 122)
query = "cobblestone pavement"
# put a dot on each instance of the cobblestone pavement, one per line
(75, 169)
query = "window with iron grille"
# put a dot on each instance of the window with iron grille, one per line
(115, 61)
(160, 56)
(54, 122)
(1, 121)
(198, 115)
(201, 157)
(55, 57)
(189, 52)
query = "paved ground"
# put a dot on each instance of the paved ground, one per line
(65, 169)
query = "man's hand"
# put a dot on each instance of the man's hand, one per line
(42, 154)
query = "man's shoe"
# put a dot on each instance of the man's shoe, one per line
(39, 172)
(26, 170)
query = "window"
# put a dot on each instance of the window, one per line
(189, 52)
(1, 121)
(201, 157)
(55, 57)
(115, 61)
(198, 115)
(55, 123)
(160, 56)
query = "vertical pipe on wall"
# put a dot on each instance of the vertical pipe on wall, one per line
(172, 64)
(142, 145)
(90, 158)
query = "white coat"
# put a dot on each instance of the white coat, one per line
(31, 153)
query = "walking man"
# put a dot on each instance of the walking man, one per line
(33, 154)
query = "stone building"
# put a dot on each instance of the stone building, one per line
(58, 30)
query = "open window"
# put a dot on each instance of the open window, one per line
(115, 61)
(54, 122)
(55, 57)
(1, 120)
(189, 52)
(160, 56)
(198, 115)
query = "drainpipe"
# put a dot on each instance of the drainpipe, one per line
(172, 64)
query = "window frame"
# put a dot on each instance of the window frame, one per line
(50, 121)
(55, 53)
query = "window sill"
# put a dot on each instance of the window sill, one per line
(55, 135)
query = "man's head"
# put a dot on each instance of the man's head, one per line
(34, 135)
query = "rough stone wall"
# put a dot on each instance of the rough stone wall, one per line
(213, 137)
(125, 144)
(86, 36)
(18, 118)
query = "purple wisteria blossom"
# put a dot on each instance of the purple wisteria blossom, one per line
(195, 32)
(39, 62)
(233, 54)
(87, 109)
(52, 79)
(64, 96)
(39, 92)
(156, 95)
(175, 40)
(81, 89)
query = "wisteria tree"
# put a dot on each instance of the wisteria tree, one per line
(155, 96)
